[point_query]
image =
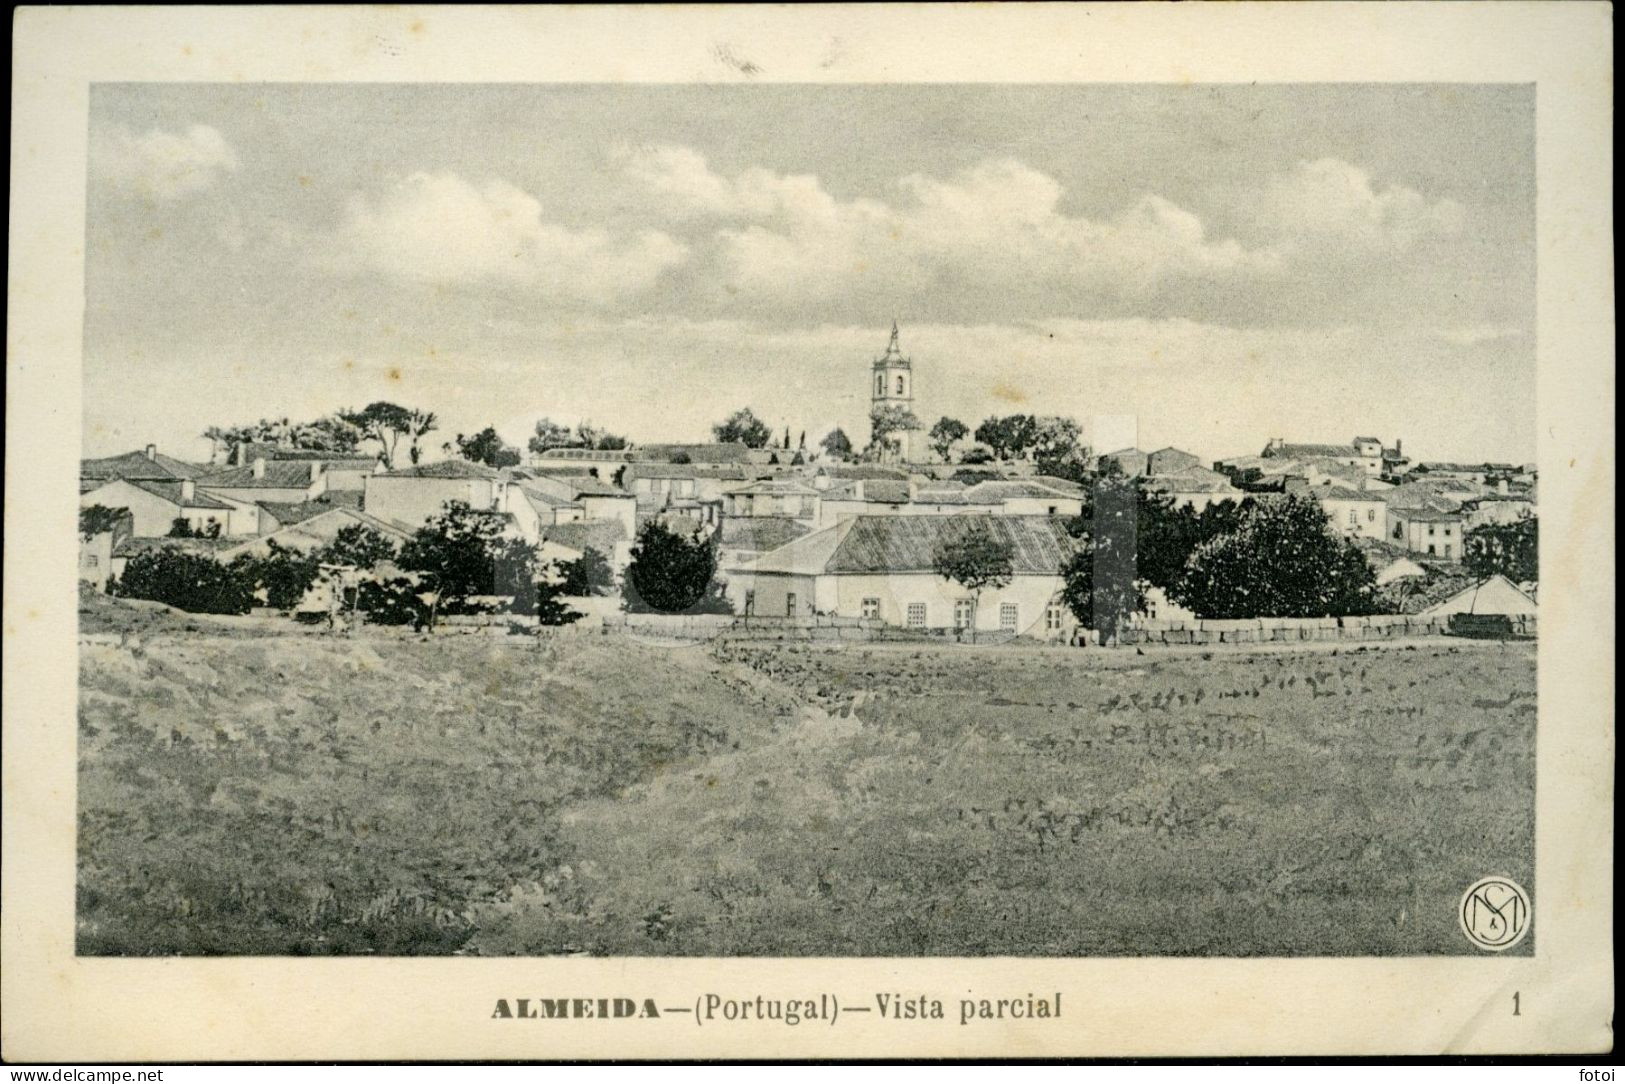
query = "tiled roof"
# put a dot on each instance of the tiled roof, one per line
(600, 534)
(885, 491)
(171, 492)
(279, 474)
(761, 533)
(541, 498)
(995, 492)
(891, 544)
(289, 512)
(592, 487)
(1309, 451)
(619, 455)
(1419, 495)
(1427, 515)
(133, 546)
(1192, 480)
(318, 530)
(777, 487)
(865, 471)
(137, 465)
(446, 468)
(697, 453)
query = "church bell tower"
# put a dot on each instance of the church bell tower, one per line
(892, 387)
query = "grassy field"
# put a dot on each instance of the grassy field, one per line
(305, 795)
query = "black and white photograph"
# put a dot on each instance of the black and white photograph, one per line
(745, 520)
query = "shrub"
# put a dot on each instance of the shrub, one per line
(392, 602)
(588, 574)
(673, 574)
(282, 574)
(193, 582)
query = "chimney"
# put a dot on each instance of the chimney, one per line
(1399, 448)
(188, 489)
(259, 466)
(152, 451)
(1501, 486)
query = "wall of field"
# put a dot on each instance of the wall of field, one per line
(1290, 629)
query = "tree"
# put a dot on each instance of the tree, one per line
(945, 434)
(464, 552)
(671, 573)
(887, 420)
(1057, 448)
(194, 582)
(99, 519)
(419, 424)
(328, 434)
(836, 445)
(1506, 549)
(1009, 437)
(976, 454)
(1282, 559)
(975, 560)
(742, 427)
(358, 546)
(382, 423)
(549, 435)
(181, 527)
(281, 575)
(589, 574)
(1102, 581)
(488, 447)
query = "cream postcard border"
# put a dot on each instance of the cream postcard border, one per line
(58, 1007)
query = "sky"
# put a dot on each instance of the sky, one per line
(1224, 263)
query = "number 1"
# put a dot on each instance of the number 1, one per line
(1515, 996)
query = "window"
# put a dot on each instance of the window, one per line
(1008, 617)
(916, 615)
(1370, 515)
(962, 613)
(92, 561)
(880, 384)
(750, 603)
(1052, 509)
(1447, 549)
(790, 604)
(899, 385)
(1399, 531)
(1430, 528)
(1430, 548)
(871, 607)
(1354, 518)
(1054, 616)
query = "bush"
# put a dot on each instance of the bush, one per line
(672, 574)
(392, 602)
(193, 582)
(588, 574)
(1506, 549)
(282, 574)
(358, 546)
(465, 553)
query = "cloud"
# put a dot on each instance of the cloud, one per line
(440, 228)
(996, 227)
(161, 166)
(1330, 202)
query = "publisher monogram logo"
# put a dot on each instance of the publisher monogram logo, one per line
(1495, 914)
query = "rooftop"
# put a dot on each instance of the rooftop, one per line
(446, 468)
(279, 474)
(138, 465)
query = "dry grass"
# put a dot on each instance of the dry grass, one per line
(301, 795)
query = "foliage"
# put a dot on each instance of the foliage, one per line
(672, 574)
(543, 598)
(946, 433)
(836, 444)
(194, 582)
(358, 546)
(488, 447)
(1282, 560)
(384, 424)
(976, 454)
(281, 575)
(888, 419)
(548, 435)
(464, 552)
(181, 527)
(591, 437)
(974, 477)
(1009, 437)
(419, 424)
(98, 519)
(742, 427)
(1057, 449)
(327, 434)
(395, 601)
(1102, 582)
(975, 560)
(1507, 549)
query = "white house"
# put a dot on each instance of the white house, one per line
(882, 567)
(155, 506)
(1424, 531)
(314, 532)
(412, 496)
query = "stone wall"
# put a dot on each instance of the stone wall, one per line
(1263, 630)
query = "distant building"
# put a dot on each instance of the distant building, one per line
(1130, 462)
(144, 466)
(1193, 487)
(1365, 453)
(412, 496)
(1170, 461)
(289, 480)
(96, 552)
(1422, 531)
(892, 388)
(155, 506)
(881, 567)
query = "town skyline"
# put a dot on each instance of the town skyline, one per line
(1228, 264)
